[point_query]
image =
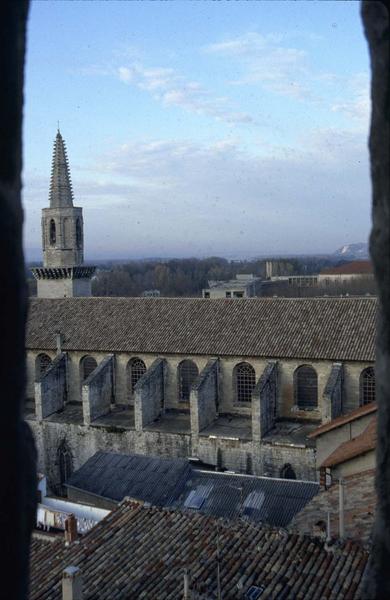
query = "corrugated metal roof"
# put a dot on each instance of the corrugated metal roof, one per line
(260, 499)
(312, 328)
(115, 476)
(173, 482)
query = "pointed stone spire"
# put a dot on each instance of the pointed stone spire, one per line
(61, 193)
(63, 274)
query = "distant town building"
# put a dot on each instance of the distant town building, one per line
(151, 294)
(296, 280)
(352, 271)
(244, 286)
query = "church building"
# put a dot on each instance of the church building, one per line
(237, 384)
(63, 274)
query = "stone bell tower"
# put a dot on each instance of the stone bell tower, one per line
(63, 274)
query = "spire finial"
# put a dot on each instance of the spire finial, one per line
(61, 195)
(58, 127)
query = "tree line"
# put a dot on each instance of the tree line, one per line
(188, 276)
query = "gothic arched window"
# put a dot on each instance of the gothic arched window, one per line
(52, 232)
(187, 373)
(306, 387)
(65, 464)
(87, 365)
(367, 386)
(79, 234)
(244, 381)
(135, 369)
(42, 362)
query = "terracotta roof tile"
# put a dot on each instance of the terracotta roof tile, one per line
(361, 444)
(356, 267)
(305, 328)
(138, 552)
(358, 413)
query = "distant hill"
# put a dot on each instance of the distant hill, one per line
(353, 251)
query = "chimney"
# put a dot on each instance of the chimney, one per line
(328, 531)
(70, 529)
(72, 584)
(59, 340)
(341, 509)
(186, 591)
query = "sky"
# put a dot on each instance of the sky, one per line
(235, 129)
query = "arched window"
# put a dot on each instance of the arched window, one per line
(79, 234)
(42, 362)
(367, 386)
(287, 472)
(87, 365)
(244, 380)
(306, 387)
(187, 373)
(135, 369)
(65, 464)
(52, 232)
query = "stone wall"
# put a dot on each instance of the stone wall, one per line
(83, 442)
(149, 395)
(332, 404)
(51, 390)
(98, 390)
(226, 453)
(264, 402)
(271, 458)
(356, 465)
(204, 398)
(63, 288)
(226, 398)
(66, 252)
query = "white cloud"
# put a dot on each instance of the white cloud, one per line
(264, 61)
(172, 89)
(355, 103)
(182, 198)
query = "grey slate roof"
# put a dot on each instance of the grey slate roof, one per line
(115, 476)
(305, 328)
(173, 482)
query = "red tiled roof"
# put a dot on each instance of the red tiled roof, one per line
(306, 328)
(356, 267)
(138, 552)
(361, 444)
(362, 411)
